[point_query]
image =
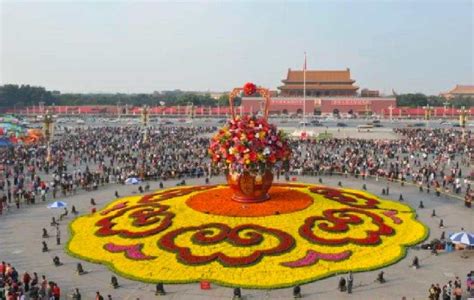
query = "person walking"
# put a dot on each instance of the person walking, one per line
(58, 235)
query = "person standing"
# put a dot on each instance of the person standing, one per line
(98, 296)
(26, 281)
(350, 281)
(58, 235)
(56, 291)
(432, 292)
(457, 292)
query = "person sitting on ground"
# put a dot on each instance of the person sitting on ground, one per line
(117, 194)
(297, 292)
(45, 247)
(80, 269)
(93, 202)
(114, 282)
(64, 214)
(342, 284)
(74, 211)
(76, 295)
(160, 290)
(53, 221)
(380, 277)
(57, 262)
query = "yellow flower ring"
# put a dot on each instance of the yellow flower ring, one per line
(188, 234)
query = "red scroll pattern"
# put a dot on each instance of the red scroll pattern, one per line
(338, 220)
(214, 233)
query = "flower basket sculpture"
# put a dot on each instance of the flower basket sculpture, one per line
(249, 148)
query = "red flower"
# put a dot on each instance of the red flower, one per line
(249, 89)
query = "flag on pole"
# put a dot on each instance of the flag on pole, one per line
(304, 89)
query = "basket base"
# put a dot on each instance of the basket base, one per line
(244, 199)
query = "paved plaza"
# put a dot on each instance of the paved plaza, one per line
(20, 235)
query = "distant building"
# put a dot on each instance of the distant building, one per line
(369, 93)
(325, 92)
(459, 91)
(319, 84)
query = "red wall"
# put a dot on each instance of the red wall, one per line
(326, 105)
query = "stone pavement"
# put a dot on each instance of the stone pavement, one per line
(20, 244)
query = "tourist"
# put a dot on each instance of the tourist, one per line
(350, 281)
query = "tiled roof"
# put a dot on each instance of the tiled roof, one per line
(463, 89)
(319, 76)
(321, 87)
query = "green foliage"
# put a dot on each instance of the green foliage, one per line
(25, 95)
(418, 100)
(412, 100)
(459, 102)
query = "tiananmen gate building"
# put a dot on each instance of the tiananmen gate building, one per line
(325, 92)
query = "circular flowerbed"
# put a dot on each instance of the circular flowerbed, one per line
(188, 234)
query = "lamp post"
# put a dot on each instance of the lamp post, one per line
(427, 112)
(463, 117)
(47, 129)
(145, 114)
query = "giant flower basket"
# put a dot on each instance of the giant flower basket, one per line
(249, 148)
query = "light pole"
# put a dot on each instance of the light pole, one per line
(145, 114)
(48, 128)
(463, 117)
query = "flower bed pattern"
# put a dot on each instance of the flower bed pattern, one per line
(160, 237)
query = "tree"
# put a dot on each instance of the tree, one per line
(459, 102)
(412, 100)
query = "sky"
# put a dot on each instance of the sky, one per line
(141, 47)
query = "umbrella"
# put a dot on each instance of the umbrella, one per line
(57, 204)
(462, 238)
(132, 180)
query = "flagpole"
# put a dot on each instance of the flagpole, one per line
(304, 91)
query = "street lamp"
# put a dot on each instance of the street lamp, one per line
(145, 113)
(48, 128)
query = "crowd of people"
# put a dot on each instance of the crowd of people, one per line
(432, 159)
(87, 158)
(450, 291)
(14, 286)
